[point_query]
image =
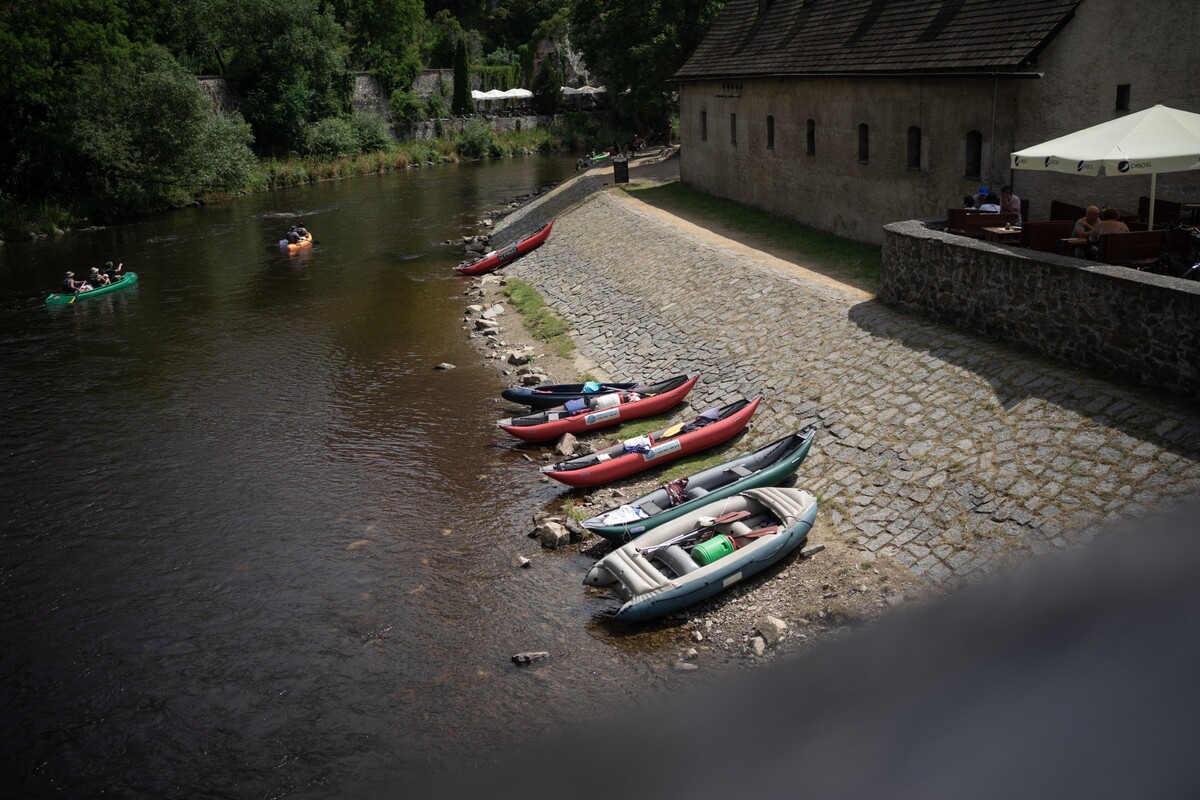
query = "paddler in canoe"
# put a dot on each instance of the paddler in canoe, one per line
(72, 286)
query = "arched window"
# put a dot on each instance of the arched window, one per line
(974, 165)
(704, 126)
(770, 132)
(914, 147)
(864, 149)
(811, 138)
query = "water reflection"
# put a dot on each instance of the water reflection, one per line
(254, 543)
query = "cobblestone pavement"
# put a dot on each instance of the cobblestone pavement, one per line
(942, 450)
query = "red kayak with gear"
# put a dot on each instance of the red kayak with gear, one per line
(506, 255)
(632, 456)
(602, 411)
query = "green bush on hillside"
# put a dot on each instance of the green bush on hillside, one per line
(330, 137)
(476, 140)
(371, 131)
(408, 107)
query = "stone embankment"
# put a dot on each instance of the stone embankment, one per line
(937, 450)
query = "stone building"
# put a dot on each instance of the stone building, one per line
(850, 114)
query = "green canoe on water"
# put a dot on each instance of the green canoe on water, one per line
(63, 299)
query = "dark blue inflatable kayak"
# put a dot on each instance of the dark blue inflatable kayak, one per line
(550, 395)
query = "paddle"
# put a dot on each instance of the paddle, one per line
(724, 519)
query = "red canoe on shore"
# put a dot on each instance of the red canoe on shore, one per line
(643, 452)
(601, 411)
(506, 255)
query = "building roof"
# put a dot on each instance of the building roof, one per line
(769, 38)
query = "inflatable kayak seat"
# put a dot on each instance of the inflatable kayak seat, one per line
(677, 560)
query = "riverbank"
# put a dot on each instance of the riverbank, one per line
(46, 219)
(940, 458)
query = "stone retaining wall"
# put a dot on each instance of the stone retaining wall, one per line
(1114, 320)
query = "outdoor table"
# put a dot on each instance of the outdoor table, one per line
(1003, 235)
(1069, 244)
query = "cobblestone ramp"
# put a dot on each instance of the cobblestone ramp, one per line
(949, 453)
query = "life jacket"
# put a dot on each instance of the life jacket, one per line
(68, 284)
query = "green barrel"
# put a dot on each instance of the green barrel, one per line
(715, 548)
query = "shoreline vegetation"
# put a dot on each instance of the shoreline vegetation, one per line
(476, 142)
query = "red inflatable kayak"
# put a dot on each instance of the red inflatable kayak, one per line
(643, 452)
(601, 411)
(499, 258)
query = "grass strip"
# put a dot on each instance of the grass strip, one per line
(541, 322)
(845, 260)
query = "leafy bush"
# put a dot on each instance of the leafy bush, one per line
(439, 106)
(331, 137)
(408, 107)
(371, 131)
(230, 164)
(476, 140)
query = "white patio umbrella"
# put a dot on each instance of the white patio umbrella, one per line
(1159, 139)
(478, 95)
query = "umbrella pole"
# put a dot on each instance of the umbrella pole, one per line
(1153, 182)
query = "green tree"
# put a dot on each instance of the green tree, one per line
(635, 47)
(145, 135)
(462, 102)
(290, 66)
(384, 38)
(547, 86)
(45, 50)
(441, 40)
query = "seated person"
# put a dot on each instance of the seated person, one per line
(72, 286)
(97, 278)
(968, 201)
(113, 274)
(981, 195)
(302, 231)
(990, 203)
(1108, 224)
(1083, 229)
(1010, 202)
(293, 236)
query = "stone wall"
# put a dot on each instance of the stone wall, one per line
(1114, 320)
(428, 128)
(222, 96)
(368, 96)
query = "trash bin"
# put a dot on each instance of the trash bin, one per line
(620, 170)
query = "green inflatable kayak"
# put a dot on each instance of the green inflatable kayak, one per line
(65, 299)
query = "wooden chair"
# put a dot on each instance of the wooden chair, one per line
(1165, 211)
(1133, 249)
(1046, 236)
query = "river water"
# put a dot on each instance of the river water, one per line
(253, 543)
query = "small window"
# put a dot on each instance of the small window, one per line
(733, 128)
(1123, 97)
(811, 138)
(974, 155)
(704, 126)
(864, 149)
(914, 147)
(770, 132)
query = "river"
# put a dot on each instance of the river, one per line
(254, 544)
